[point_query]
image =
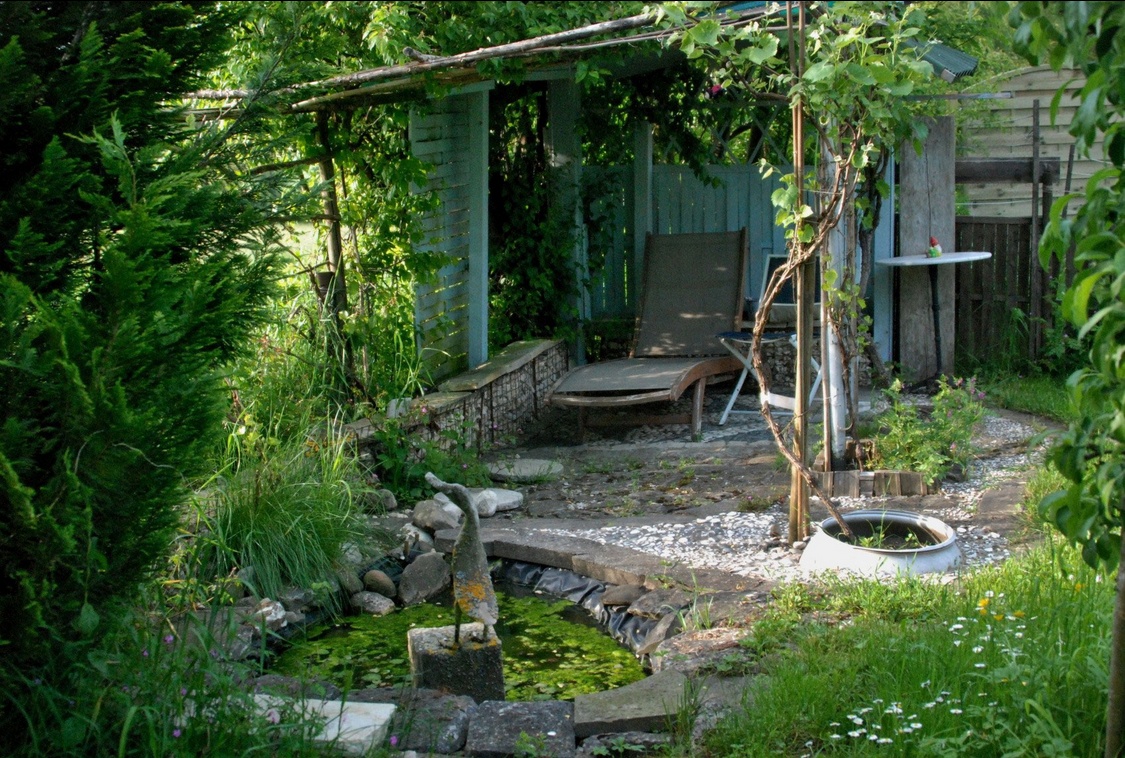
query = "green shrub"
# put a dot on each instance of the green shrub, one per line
(132, 268)
(929, 445)
(405, 449)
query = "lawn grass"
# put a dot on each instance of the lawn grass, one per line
(1009, 661)
(1039, 394)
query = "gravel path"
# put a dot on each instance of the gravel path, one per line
(747, 544)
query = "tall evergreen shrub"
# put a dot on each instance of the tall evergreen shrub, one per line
(133, 263)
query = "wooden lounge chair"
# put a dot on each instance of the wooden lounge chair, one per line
(693, 290)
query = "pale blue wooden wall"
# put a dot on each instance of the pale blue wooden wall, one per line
(681, 203)
(451, 313)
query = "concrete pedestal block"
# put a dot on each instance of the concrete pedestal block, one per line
(473, 668)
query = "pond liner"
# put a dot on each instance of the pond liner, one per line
(624, 627)
(627, 629)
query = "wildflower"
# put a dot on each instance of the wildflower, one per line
(926, 684)
(990, 593)
(1079, 586)
(176, 733)
(980, 665)
(956, 711)
(273, 716)
(978, 649)
(394, 740)
(144, 653)
(954, 628)
(998, 616)
(873, 737)
(885, 740)
(183, 690)
(930, 704)
(915, 725)
(857, 732)
(169, 639)
(835, 736)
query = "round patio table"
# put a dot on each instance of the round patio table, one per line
(933, 263)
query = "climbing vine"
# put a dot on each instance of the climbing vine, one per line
(847, 76)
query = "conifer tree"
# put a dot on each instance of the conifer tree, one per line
(134, 261)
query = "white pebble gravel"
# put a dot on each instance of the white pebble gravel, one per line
(741, 543)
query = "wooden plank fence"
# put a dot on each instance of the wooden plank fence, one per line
(989, 293)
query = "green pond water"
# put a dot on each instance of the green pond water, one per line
(553, 649)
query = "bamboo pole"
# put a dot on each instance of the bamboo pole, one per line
(799, 488)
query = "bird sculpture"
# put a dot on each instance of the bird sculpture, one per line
(472, 586)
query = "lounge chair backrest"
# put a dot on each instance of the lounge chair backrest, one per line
(693, 289)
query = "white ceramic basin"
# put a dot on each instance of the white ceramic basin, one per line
(826, 553)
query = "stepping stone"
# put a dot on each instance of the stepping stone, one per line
(353, 728)
(643, 706)
(488, 500)
(496, 729)
(525, 470)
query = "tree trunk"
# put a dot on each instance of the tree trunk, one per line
(1115, 708)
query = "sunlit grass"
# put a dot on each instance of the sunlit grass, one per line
(1009, 661)
(1038, 394)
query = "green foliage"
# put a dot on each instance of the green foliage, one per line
(133, 263)
(931, 445)
(157, 686)
(1009, 662)
(533, 282)
(282, 509)
(407, 447)
(1090, 455)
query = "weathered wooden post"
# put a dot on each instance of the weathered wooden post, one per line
(927, 209)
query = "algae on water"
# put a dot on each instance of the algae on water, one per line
(545, 655)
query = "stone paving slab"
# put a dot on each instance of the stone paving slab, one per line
(552, 550)
(546, 727)
(525, 470)
(644, 706)
(352, 728)
(620, 565)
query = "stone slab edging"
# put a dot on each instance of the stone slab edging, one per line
(606, 563)
(512, 358)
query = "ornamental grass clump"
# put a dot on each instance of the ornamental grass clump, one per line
(929, 444)
(284, 510)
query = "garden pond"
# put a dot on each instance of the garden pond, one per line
(553, 649)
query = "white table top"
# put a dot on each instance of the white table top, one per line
(925, 260)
